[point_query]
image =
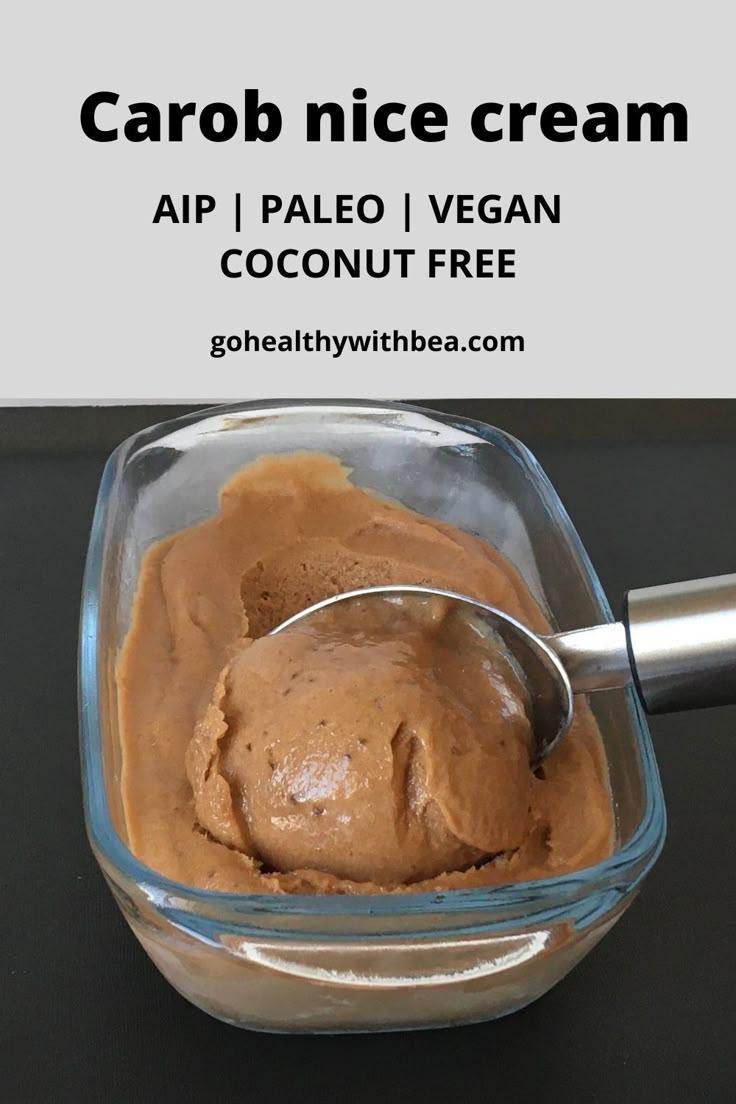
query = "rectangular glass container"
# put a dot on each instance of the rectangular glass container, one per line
(340, 963)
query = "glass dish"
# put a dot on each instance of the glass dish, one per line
(339, 963)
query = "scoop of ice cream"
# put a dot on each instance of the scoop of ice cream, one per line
(372, 742)
(291, 530)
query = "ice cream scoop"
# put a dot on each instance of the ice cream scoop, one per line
(676, 645)
(379, 742)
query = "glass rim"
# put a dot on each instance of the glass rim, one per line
(536, 898)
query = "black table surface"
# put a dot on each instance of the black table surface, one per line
(650, 1015)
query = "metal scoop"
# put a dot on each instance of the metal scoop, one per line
(676, 646)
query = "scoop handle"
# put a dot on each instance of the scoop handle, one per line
(682, 643)
(676, 644)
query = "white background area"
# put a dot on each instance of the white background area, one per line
(632, 294)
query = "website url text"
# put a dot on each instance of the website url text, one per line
(393, 341)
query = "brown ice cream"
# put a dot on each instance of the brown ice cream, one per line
(375, 748)
(371, 742)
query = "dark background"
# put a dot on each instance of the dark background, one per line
(649, 1016)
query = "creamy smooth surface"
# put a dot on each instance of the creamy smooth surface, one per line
(374, 742)
(366, 751)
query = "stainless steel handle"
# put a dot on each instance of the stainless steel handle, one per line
(677, 644)
(682, 643)
(595, 658)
